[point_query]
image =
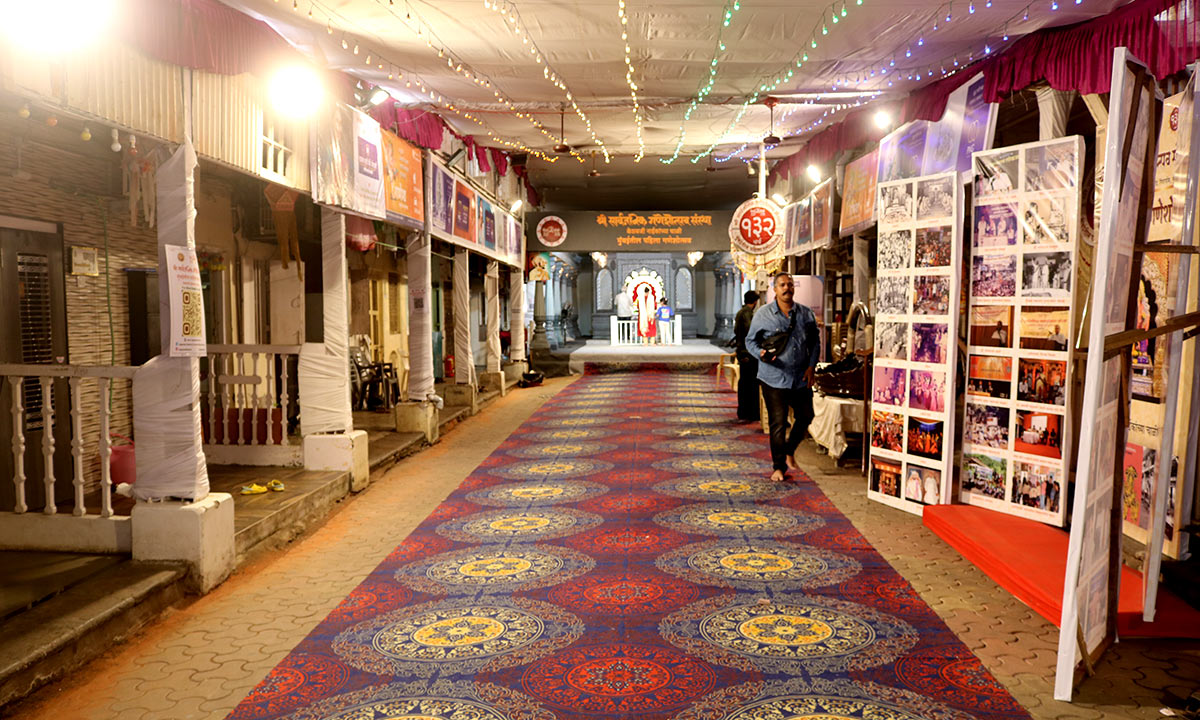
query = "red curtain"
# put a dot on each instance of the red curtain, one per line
(1074, 57)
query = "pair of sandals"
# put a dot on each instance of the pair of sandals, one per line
(256, 489)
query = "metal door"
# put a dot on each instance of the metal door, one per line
(33, 329)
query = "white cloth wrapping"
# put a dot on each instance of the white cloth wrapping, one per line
(420, 319)
(166, 391)
(166, 424)
(833, 417)
(516, 315)
(325, 368)
(464, 359)
(1053, 108)
(491, 291)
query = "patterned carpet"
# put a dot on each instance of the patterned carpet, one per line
(622, 555)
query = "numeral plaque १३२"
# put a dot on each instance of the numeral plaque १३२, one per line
(756, 227)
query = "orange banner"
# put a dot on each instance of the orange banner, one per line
(403, 192)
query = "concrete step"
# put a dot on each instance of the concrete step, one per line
(59, 635)
(385, 449)
(452, 415)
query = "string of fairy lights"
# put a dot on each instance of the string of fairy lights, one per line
(831, 17)
(413, 22)
(727, 13)
(513, 22)
(629, 80)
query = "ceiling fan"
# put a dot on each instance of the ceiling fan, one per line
(772, 138)
(562, 146)
(594, 173)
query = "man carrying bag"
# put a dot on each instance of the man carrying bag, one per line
(784, 337)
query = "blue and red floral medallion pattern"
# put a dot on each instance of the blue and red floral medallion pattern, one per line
(622, 555)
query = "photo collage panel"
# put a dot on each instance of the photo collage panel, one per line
(918, 282)
(1021, 324)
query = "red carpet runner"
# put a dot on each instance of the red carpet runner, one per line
(621, 555)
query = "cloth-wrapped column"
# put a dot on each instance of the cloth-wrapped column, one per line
(464, 359)
(491, 291)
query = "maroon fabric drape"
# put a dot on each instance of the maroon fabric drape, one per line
(420, 127)
(1074, 57)
(1079, 57)
(500, 161)
(204, 35)
(481, 156)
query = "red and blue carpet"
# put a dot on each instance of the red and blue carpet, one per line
(622, 555)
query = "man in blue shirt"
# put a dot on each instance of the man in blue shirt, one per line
(786, 381)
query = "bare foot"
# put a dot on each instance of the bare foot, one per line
(791, 462)
(777, 476)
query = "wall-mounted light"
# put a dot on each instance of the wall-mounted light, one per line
(600, 258)
(296, 91)
(779, 200)
(883, 119)
(694, 257)
(814, 173)
(517, 205)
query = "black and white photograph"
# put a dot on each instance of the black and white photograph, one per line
(1048, 220)
(934, 246)
(893, 249)
(996, 174)
(929, 342)
(994, 275)
(987, 426)
(891, 340)
(893, 295)
(995, 225)
(935, 199)
(931, 294)
(896, 203)
(1050, 167)
(1046, 274)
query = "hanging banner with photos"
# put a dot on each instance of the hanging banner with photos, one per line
(858, 193)
(1016, 428)
(441, 201)
(347, 161)
(404, 195)
(919, 281)
(822, 215)
(902, 152)
(1093, 564)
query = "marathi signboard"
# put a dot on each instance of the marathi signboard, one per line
(579, 231)
(403, 192)
(757, 226)
(347, 164)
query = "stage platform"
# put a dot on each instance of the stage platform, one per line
(1029, 559)
(601, 352)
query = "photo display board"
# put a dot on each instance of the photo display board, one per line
(919, 281)
(1020, 326)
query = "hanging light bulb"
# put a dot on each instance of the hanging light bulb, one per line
(116, 141)
(86, 135)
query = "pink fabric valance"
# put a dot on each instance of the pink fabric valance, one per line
(420, 127)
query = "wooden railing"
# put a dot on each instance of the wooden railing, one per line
(248, 399)
(18, 376)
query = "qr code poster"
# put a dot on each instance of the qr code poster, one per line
(912, 389)
(186, 296)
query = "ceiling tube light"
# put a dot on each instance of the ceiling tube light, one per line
(517, 205)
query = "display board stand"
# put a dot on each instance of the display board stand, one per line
(1093, 570)
(916, 341)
